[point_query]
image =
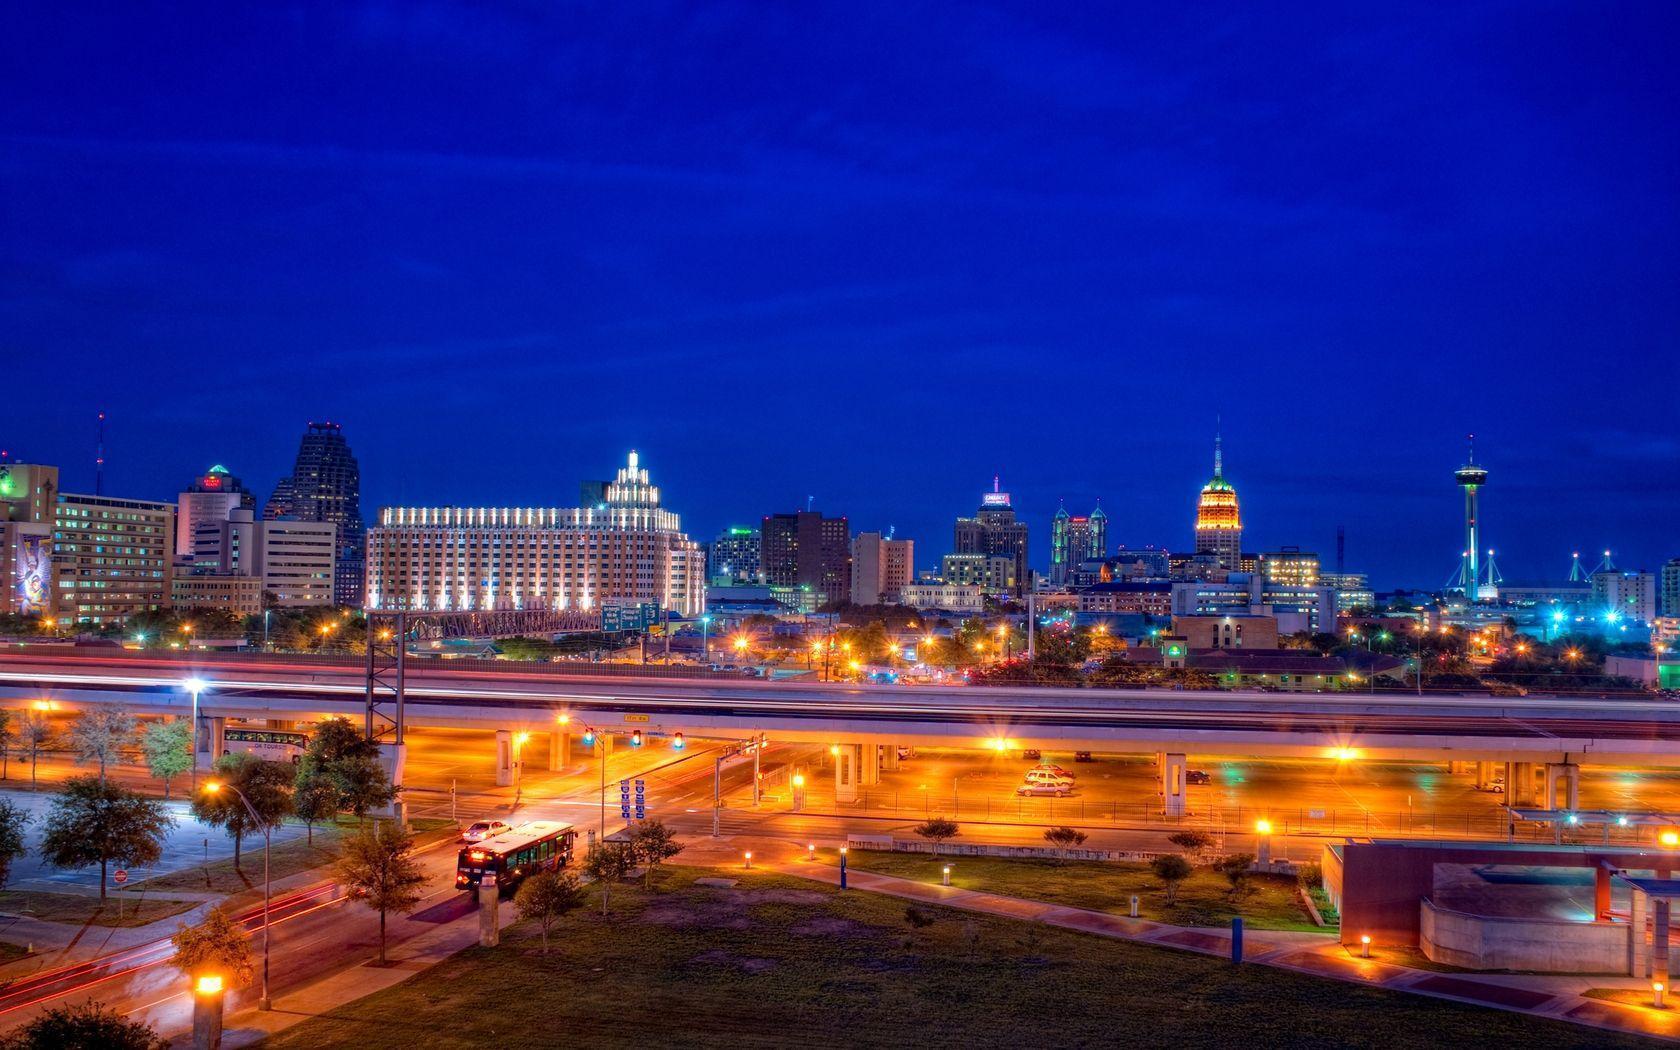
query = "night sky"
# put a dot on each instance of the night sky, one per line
(871, 254)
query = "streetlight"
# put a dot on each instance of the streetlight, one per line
(1263, 840)
(195, 686)
(213, 786)
(705, 639)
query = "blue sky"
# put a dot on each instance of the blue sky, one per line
(871, 254)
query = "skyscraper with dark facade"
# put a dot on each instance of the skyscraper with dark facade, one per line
(994, 530)
(326, 485)
(805, 549)
(1074, 539)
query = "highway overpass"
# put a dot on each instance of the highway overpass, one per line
(1532, 733)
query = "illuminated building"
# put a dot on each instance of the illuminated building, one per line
(112, 557)
(994, 531)
(326, 485)
(1218, 519)
(1670, 585)
(1353, 590)
(1075, 540)
(1296, 608)
(562, 558)
(1290, 565)
(209, 500)
(881, 567)
(805, 549)
(992, 573)
(28, 492)
(1627, 596)
(732, 557)
(946, 597)
(1229, 631)
(293, 561)
(1145, 598)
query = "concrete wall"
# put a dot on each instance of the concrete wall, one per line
(1484, 942)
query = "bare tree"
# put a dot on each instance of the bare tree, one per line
(99, 733)
(34, 732)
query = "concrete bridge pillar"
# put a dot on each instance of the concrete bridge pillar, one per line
(869, 767)
(504, 757)
(211, 734)
(889, 756)
(1639, 961)
(1563, 786)
(1519, 784)
(1454, 768)
(847, 760)
(1659, 939)
(559, 751)
(1484, 775)
(1173, 768)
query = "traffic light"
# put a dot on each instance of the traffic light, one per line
(589, 738)
(677, 742)
(636, 738)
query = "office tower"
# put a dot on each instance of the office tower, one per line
(209, 500)
(1290, 565)
(1218, 520)
(1671, 587)
(1075, 539)
(994, 531)
(732, 558)
(28, 494)
(881, 568)
(239, 560)
(1625, 595)
(112, 557)
(628, 549)
(805, 549)
(326, 485)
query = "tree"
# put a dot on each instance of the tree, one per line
(5, 742)
(314, 799)
(92, 823)
(1171, 869)
(379, 867)
(1235, 869)
(99, 733)
(218, 945)
(937, 830)
(1064, 839)
(34, 731)
(348, 760)
(12, 822)
(607, 863)
(362, 785)
(168, 747)
(1191, 841)
(545, 897)
(266, 785)
(652, 844)
(88, 1026)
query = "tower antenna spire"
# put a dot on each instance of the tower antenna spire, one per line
(1218, 446)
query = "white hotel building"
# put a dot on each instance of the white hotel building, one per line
(626, 549)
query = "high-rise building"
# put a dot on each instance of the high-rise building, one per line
(994, 531)
(1218, 520)
(210, 499)
(631, 550)
(1290, 565)
(1075, 539)
(290, 561)
(881, 568)
(732, 558)
(1627, 595)
(112, 557)
(326, 485)
(1671, 587)
(28, 494)
(805, 549)
(992, 573)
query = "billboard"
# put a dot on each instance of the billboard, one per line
(33, 575)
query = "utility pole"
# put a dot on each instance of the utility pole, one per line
(1032, 626)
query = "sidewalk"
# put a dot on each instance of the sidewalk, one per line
(1319, 954)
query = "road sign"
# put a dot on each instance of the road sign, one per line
(641, 799)
(121, 876)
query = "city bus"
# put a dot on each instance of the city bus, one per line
(273, 745)
(512, 856)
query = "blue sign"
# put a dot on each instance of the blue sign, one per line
(641, 799)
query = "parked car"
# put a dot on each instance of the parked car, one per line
(1032, 755)
(1054, 768)
(1083, 756)
(1197, 776)
(479, 830)
(906, 752)
(1056, 788)
(1048, 776)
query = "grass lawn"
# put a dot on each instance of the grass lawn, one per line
(1204, 899)
(778, 961)
(287, 858)
(71, 907)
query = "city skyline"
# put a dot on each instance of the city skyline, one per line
(929, 523)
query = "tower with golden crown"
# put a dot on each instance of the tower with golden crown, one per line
(1218, 521)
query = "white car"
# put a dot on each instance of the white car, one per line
(1056, 788)
(1041, 775)
(479, 830)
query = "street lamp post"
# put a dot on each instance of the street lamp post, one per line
(195, 686)
(265, 1003)
(705, 639)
